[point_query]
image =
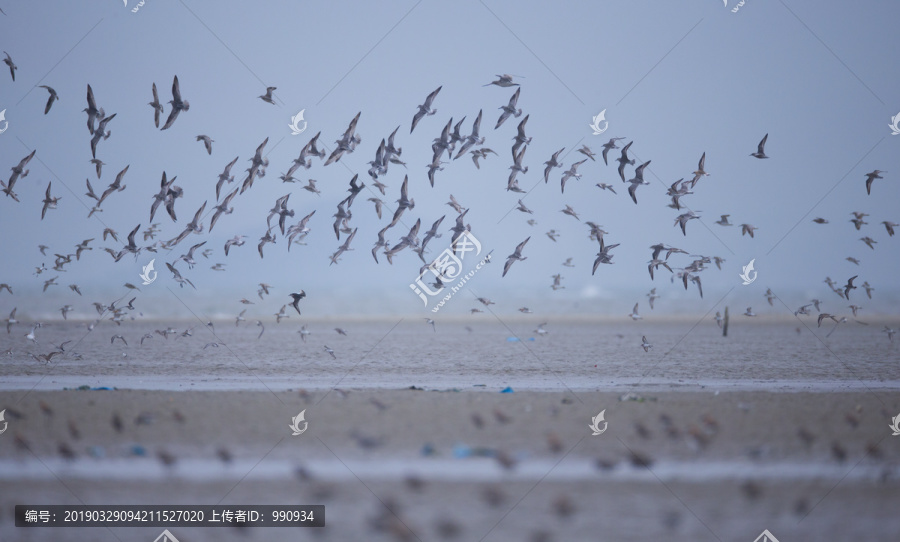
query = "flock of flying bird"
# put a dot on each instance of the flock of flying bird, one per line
(448, 147)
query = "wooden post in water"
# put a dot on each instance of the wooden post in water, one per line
(725, 326)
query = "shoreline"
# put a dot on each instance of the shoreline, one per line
(624, 386)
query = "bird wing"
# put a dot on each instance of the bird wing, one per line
(172, 116)
(176, 91)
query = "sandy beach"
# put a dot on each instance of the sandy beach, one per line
(473, 464)
(410, 436)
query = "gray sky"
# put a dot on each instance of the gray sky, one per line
(678, 79)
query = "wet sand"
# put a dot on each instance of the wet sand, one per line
(685, 465)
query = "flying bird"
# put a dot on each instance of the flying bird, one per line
(222, 208)
(604, 186)
(207, 142)
(157, 107)
(557, 279)
(603, 256)
(296, 297)
(178, 104)
(552, 163)
(682, 220)
(115, 186)
(504, 80)
(509, 109)
(238, 240)
(267, 97)
(93, 112)
(347, 143)
(225, 176)
(425, 109)
(609, 145)
(570, 211)
(101, 133)
(12, 67)
(18, 172)
(637, 181)
(623, 160)
(701, 172)
(634, 314)
(652, 297)
(257, 166)
(521, 138)
(53, 97)
(824, 315)
(568, 174)
(870, 178)
(585, 150)
(267, 238)
(515, 256)
(49, 202)
(473, 138)
(849, 287)
(761, 149)
(98, 165)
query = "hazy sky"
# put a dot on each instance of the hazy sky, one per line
(677, 78)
